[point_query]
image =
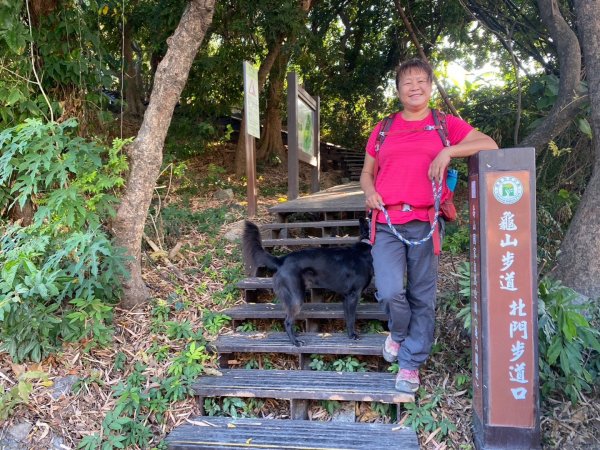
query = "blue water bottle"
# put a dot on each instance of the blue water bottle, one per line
(452, 179)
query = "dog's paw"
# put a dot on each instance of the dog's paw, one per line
(354, 336)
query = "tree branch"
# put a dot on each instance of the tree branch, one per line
(424, 57)
(35, 74)
(569, 58)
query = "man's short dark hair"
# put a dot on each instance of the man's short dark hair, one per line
(413, 64)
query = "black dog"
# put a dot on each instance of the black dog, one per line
(343, 270)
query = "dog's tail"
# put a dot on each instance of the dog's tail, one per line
(255, 255)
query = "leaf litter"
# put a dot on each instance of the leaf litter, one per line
(76, 414)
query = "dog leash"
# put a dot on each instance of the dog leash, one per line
(437, 196)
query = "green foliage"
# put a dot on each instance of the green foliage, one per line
(545, 89)
(178, 330)
(177, 220)
(215, 177)
(317, 362)
(229, 277)
(463, 276)
(555, 209)
(331, 406)
(19, 394)
(67, 46)
(141, 400)
(276, 325)
(384, 410)
(260, 362)
(462, 380)
(54, 288)
(347, 62)
(59, 274)
(188, 137)
(63, 174)
(12, 397)
(347, 364)
(569, 345)
(247, 327)
(160, 314)
(457, 239)
(213, 322)
(373, 327)
(232, 407)
(211, 407)
(426, 414)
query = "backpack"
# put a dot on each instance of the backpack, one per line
(447, 208)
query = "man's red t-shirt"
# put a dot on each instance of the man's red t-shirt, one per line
(404, 159)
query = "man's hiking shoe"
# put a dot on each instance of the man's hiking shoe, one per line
(390, 349)
(407, 381)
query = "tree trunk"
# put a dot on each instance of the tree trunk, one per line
(569, 56)
(263, 71)
(133, 93)
(25, 214)
(41, 8)
(145, 153)
(271, 144)
(579, 260)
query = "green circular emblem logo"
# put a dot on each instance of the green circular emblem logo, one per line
(508, 190)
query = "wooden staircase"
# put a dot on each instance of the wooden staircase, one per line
(329, 225)
(349, 161)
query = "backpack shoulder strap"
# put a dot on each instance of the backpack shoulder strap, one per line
(439, 118)
(386, 124)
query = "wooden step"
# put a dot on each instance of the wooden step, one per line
(344, 198)
(320, 343)
(323, 228)
(330, 311)
(251, 285)
(319, 224)
(265, 283)
(232, 434)
(311, 241)
(302, 384)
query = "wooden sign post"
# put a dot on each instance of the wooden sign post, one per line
(303, 135)
(251, 131)
(504, 299)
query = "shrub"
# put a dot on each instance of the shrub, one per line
(60, 273)
(568, 343)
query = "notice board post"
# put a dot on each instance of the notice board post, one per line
(504, 329)
(251, 131)
(303, 135)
